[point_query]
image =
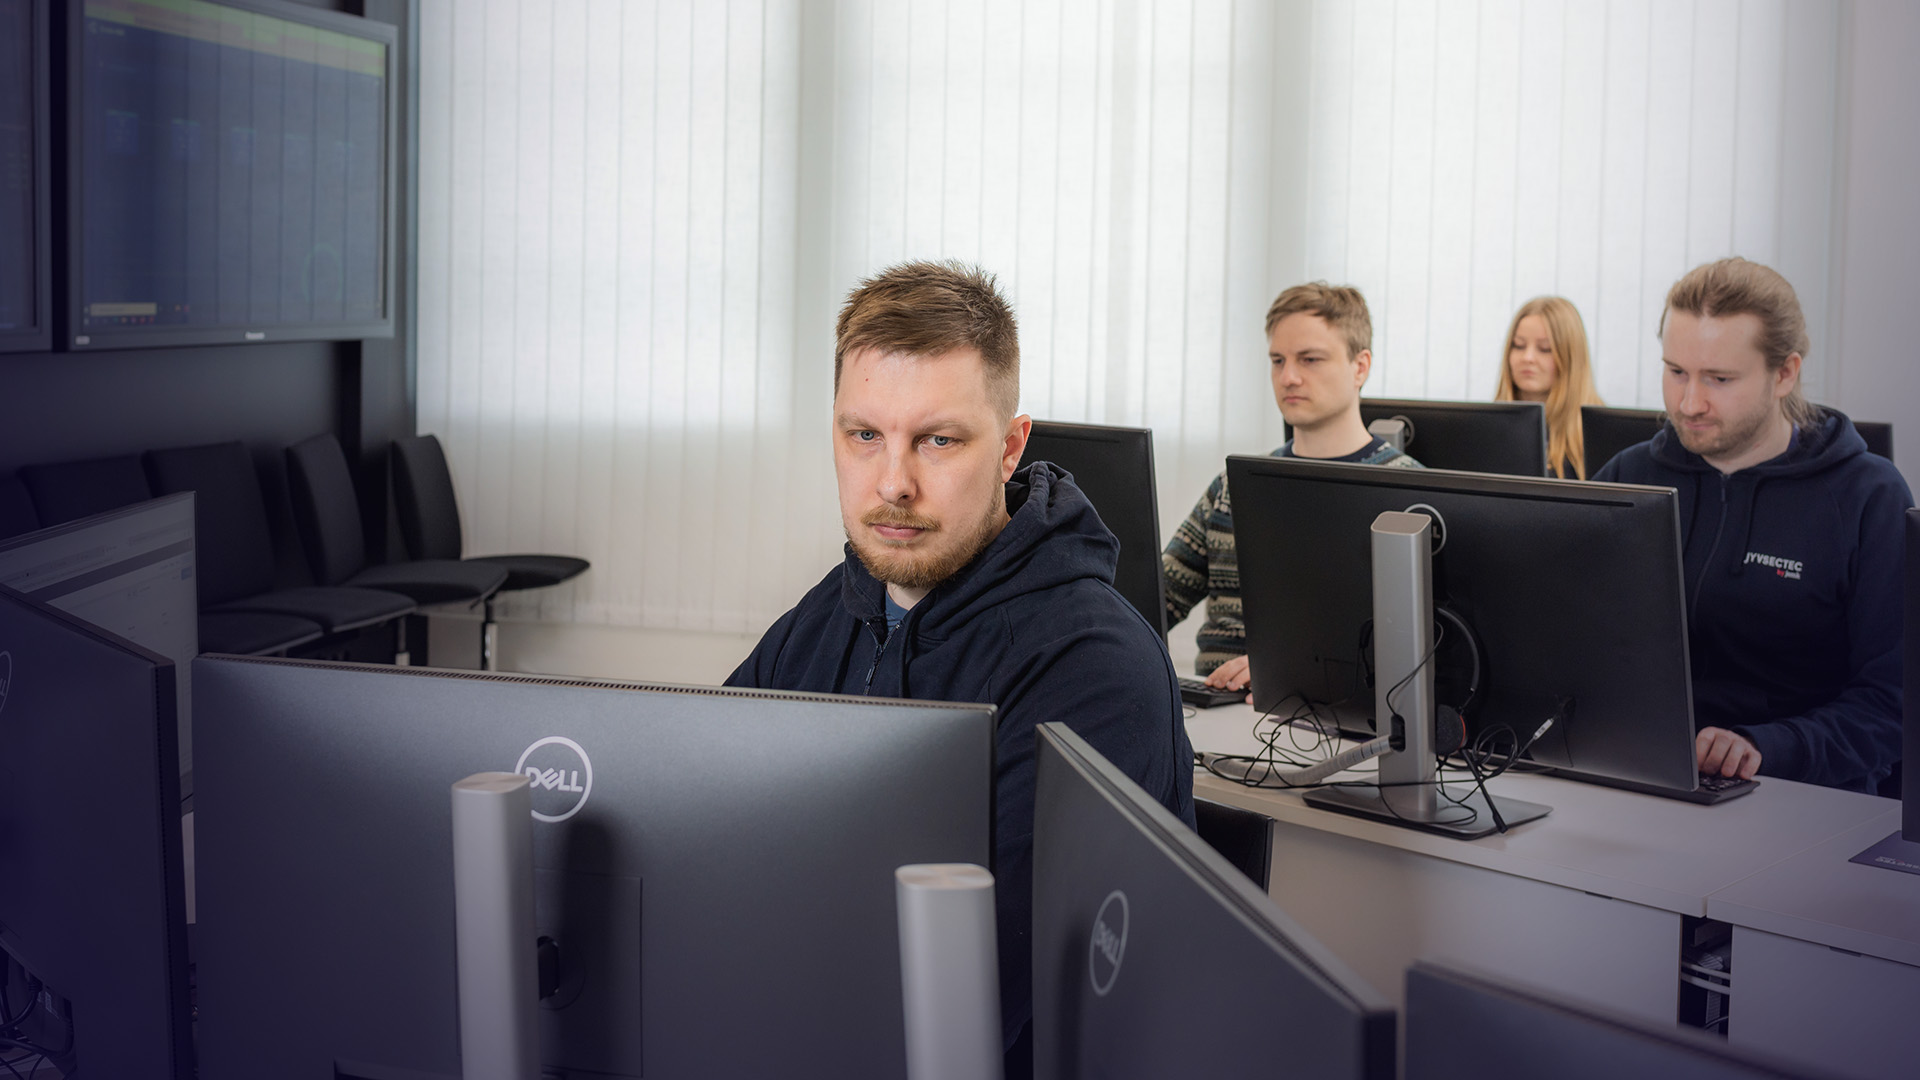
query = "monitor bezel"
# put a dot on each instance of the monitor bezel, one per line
(39, 337)
(1114, 435)
(73, 339)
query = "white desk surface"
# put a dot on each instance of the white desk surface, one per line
(1819, 896)
(1662, 853)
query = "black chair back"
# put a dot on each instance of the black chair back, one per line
(71, 490)
(325, 509)
(1243, 837)
(423, 495)
(234, 543)
(16, 508)
(1879, 437)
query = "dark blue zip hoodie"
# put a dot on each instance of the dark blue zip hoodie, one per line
(1793, 572)
(1033, 626)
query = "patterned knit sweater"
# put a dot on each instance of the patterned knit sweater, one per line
(1200, 563)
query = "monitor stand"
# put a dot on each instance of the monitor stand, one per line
(1403, 648)
(1895, 852)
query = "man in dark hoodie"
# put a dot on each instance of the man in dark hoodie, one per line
(965, 580)
(1790, 534)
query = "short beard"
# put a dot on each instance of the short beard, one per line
(1728, 440)
(921, 570)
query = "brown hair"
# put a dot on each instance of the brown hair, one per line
(1735, 286)
(1572, 380)
(925, 309)
(1341, 306)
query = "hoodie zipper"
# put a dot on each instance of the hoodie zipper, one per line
(1693, 606)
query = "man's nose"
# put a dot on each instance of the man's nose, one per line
(897, 481)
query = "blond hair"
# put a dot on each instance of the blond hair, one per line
(926, 309)
(1734, 286)
(1572, 380)
(1342, 306)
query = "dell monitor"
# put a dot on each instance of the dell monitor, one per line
(715, 865)
(1114, 467)
(1154, 957)
(1571, 593)
(92, 885)
(230, 173)
(1463, 1025)
(1606, 431)
(129, 571)
(1508, 437)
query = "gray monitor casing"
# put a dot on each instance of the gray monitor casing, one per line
(723, 896)
(1574, 589)
(92, 888)
(1203, 975)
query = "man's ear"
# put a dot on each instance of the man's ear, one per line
(1362, 367)
(1787, 377)
(1015, 445)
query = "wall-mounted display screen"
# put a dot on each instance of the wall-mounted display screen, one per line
(24, 310)
(231, 173)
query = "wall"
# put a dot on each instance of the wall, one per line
(1877, 374)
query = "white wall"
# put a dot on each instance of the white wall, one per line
(1876, 358)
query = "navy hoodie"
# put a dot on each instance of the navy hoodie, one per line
(1793, 572)
(1033, 626)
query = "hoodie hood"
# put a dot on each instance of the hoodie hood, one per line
(1825, 444)
(1053, 537)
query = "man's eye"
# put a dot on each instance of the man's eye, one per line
(867, 436)
(941, 441)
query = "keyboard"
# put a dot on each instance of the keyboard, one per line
(1198, 694)
(1711, 789)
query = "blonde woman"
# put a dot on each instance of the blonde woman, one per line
(1547, 362)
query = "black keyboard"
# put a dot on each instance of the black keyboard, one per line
(1198, 694)
(1711, 789)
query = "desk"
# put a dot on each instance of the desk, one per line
(1589, 900)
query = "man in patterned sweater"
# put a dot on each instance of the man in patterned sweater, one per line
(1319, 344)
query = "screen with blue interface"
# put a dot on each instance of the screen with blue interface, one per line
(233, 170)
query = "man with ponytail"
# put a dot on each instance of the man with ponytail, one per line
(1790, 535)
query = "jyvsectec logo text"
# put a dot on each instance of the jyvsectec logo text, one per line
(560, 774)
(1108, 944)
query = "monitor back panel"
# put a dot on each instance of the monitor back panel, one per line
(719, 873)
(1154, 957)
(1607, 431)
(92, 893)
(1467, 1026)
(1507, 437)
(1113, 466)
(1573, 589)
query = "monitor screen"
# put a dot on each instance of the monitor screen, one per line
(92, 894)
(231, 168)
(1572, 591)
(24, 258)
(716, 866)
(1469, 1026)
(129, 572)
(1113, 466)
(1154, 957)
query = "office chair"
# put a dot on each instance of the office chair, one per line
(1242, 836)
(70, 490)
(240, 610)
(17, 515)
(327, 512)
(1879, 437)
(430, 523)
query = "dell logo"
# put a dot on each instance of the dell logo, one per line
(6, 677)
(1109, 942)
(560, 776)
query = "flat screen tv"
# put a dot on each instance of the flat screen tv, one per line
(230, 173)
(26, 308)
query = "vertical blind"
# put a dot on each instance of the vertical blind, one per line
(637, 221)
